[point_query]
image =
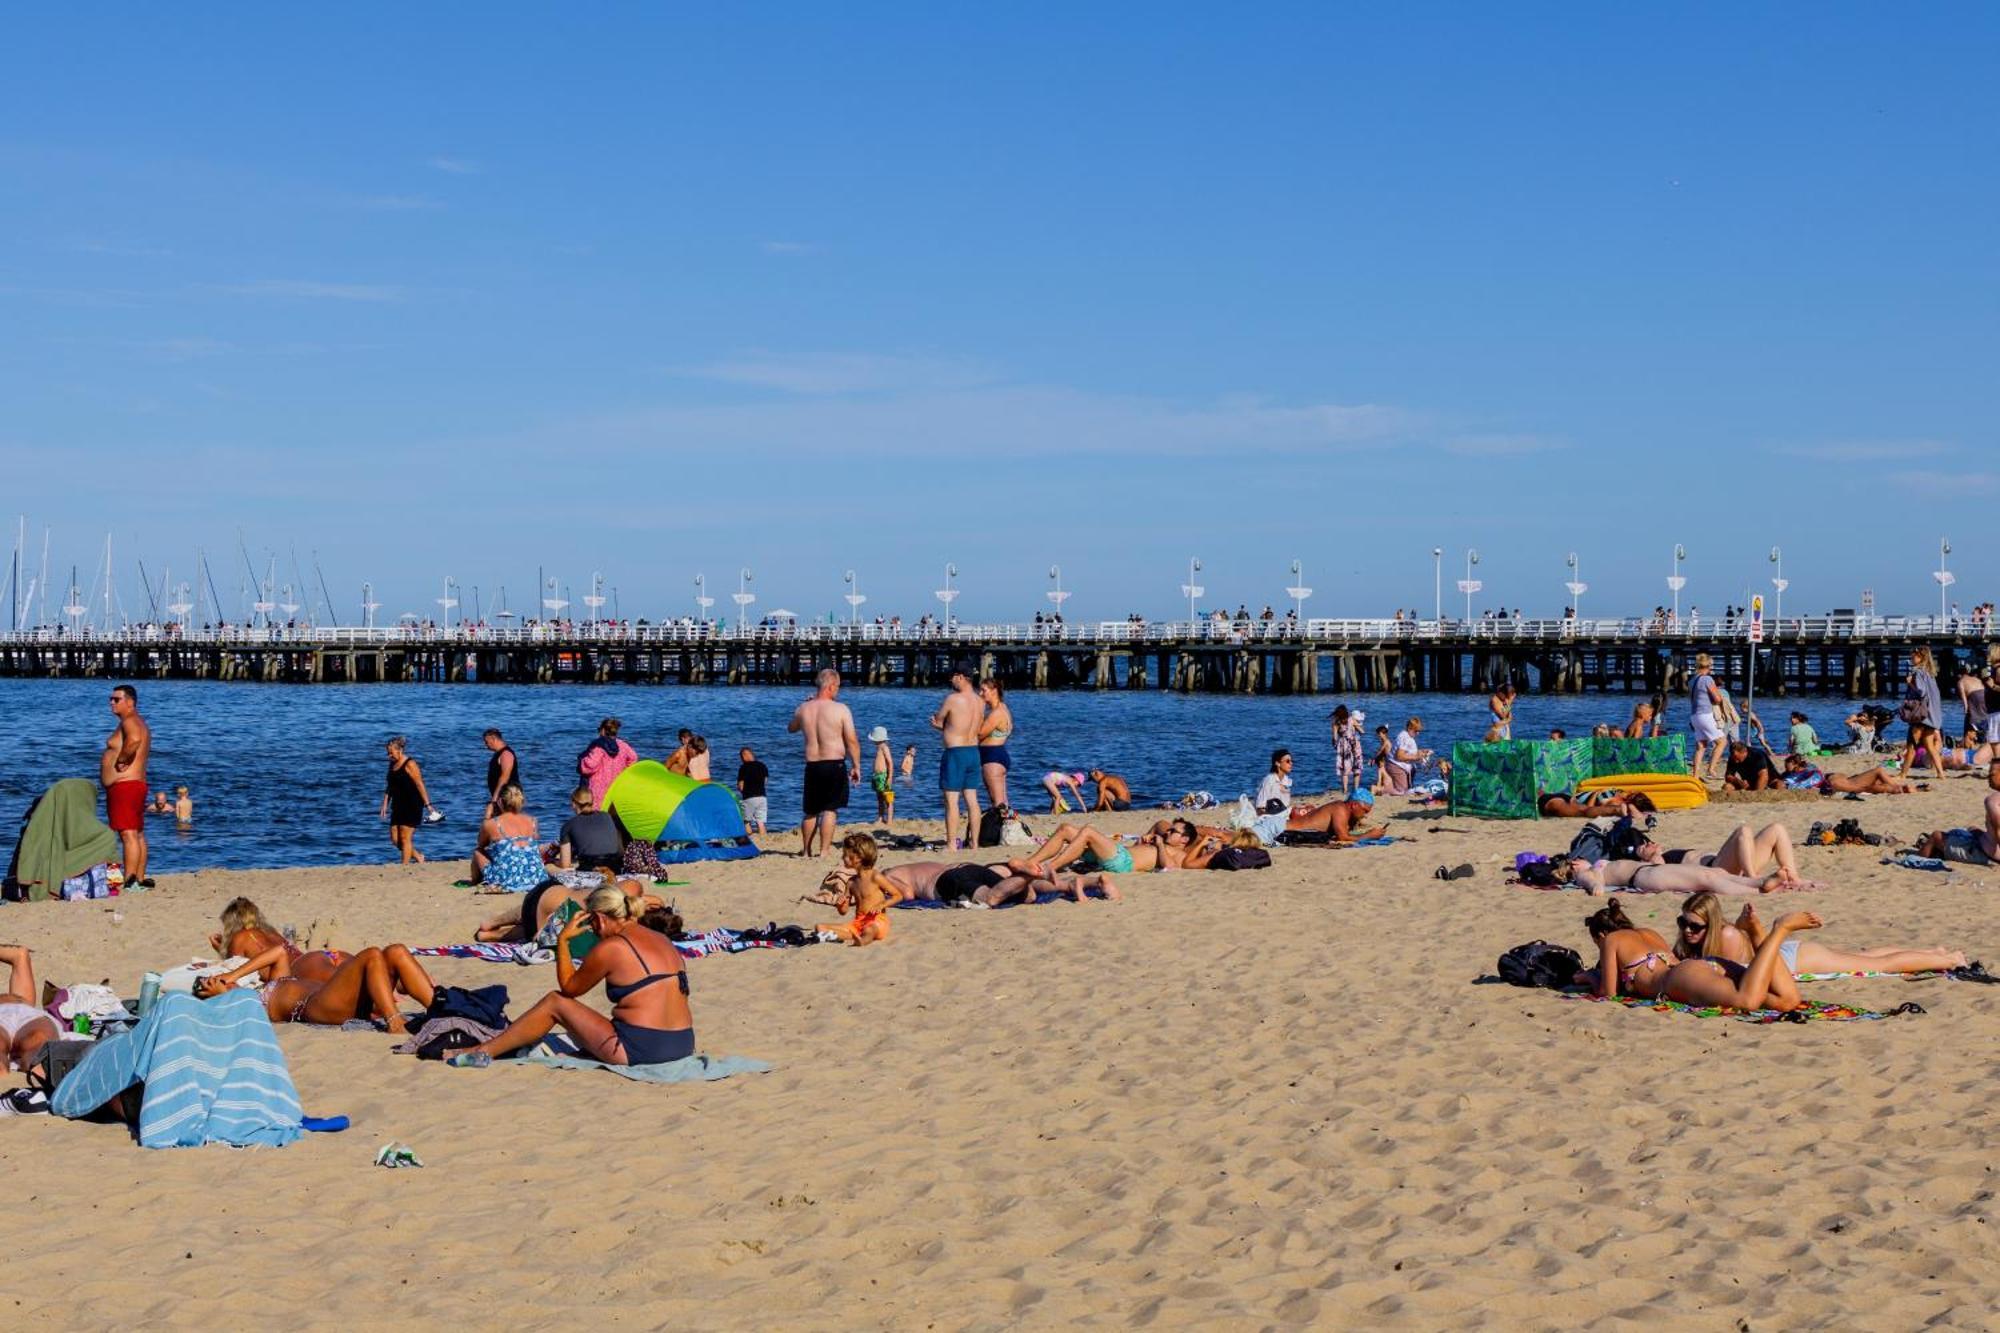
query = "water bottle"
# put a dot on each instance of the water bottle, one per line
(81, 1025)
(149, 992)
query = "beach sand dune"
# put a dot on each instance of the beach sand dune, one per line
(1275, 1098)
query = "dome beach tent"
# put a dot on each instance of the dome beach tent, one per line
(686, 820)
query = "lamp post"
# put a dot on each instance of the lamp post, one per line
(1469, 585)
(1675, 582)
(948, 594)
(1780, 582)
(854, 600)
(447, 601)
(742, 597)
(1577, 587)
(595, 597)
(1945, 578)
(702, 601)
(1192, 590)
(369, 606)
(1298, 592)
(1056, 594)
(1437, 584)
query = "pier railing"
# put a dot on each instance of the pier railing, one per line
(1804, 629)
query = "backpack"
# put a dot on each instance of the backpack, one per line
(989, 825)
(55, 1061)
(1592, 843)
(1539, 964)
(1624, 841)
(1539, 874)
(1240, 858)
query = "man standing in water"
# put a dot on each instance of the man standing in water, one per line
(122, 770)
(958, 772)
(833, 761)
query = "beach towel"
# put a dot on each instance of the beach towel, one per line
(213, 1073)
(720, 940)
(61, 839)
(1814, 1011)
(938, 904)
(558, 1053)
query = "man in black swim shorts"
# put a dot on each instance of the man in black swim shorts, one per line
(833, 761)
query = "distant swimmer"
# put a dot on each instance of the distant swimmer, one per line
(183, 807)
(122, 770)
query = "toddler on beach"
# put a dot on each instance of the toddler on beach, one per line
(871, 896)
(882, 777)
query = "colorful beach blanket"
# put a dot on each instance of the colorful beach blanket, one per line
(1815, 1011)
(708, 942)
(213, 1071)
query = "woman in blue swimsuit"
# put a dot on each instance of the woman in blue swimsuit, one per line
(643, 976)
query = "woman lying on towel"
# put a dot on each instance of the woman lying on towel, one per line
(364, 985)
(246, 933)
(524, 920)
(1743, 852)
(24, 1027)
(1091, 850)
(1561, 805)
(1658, 877)
(1876, 781)
(643, 978)
(1705, 934)
(1636, 962)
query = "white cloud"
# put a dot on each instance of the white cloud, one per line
(298, 289)
(837, 373)
(456, 166)
(792, 247)
(1867, 451)
(1948, 485)
(397, 203)
(1501, 446)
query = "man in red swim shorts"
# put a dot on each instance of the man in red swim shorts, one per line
(122, 770)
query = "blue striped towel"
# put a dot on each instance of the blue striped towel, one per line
(213, 1073)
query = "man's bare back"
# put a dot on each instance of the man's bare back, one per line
(828, 725)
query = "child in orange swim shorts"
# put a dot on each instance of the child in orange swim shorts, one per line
(872, 894)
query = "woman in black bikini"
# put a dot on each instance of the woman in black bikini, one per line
(643, 976)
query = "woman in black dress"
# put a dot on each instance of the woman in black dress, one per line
(404, 800)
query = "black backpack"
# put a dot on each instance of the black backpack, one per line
(1240, 858)
(1539, 964)
(989, 825)
(1591, 843)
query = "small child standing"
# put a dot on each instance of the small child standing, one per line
(183, 807)
(882, 777)
(909, 763)
(872, 894)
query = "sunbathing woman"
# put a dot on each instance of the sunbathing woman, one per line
(1875, 782)
(1705, 933)
(365, 984)
(1765, 984)
(1659, 877)
(246, 933)
(1561, 805)
(537, 905)
(968, 882)
(1631, 960)
(1091, 850)
(24, 1026)
(643, 976)
(1742, 853)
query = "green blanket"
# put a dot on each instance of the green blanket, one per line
(63, 838)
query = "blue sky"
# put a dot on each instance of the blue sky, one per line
(472, 290)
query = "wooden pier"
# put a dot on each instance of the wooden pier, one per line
(1844, 657)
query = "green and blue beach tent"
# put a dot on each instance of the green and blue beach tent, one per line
(684, 819)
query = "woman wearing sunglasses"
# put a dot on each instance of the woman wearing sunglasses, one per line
(1704, 933)
(1633, 961)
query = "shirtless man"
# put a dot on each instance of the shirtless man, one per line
(968, 883)
(1341, 821)
(122, 770)
(1112, 791)
(833, 760)
(958, 771)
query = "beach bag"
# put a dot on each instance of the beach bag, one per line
(1536, 874)
(989, 825)
(1914, 711)
(1591, 843)
(1013, 833)
(1624, 841)
(1539, 964)
(1240, 858)
(54, 1062)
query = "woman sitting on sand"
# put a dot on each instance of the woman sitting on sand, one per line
(25, 1026)
(643, 978)
(1091, 850)
(1632, 961)
(366, 983)
(1875, 782)
(537, 905)
(1704, 933)
(509, 857)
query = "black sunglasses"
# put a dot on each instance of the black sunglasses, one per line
(1689, 926)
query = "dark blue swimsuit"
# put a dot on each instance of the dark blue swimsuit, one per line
(643, 1045)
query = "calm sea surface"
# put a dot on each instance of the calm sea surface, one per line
(291, 775)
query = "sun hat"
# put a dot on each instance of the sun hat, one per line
(877, 736)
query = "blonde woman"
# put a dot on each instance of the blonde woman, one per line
(246, 933)
(643, 977)
(1705, 933)
(1635, 961)
(1923, 709)
(1705, 700)
(509, 857)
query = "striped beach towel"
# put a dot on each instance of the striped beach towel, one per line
(213, 1073)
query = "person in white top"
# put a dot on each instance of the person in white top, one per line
(1405, 755)
(1274, 793)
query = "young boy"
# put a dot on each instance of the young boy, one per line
(183, 807)
(909, 763)
(882, 777)
(872, 895)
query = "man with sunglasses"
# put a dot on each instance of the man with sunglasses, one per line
(122, 770)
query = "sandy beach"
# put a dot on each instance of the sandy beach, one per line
(1271, 1098)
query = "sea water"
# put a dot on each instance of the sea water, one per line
(292, 775)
